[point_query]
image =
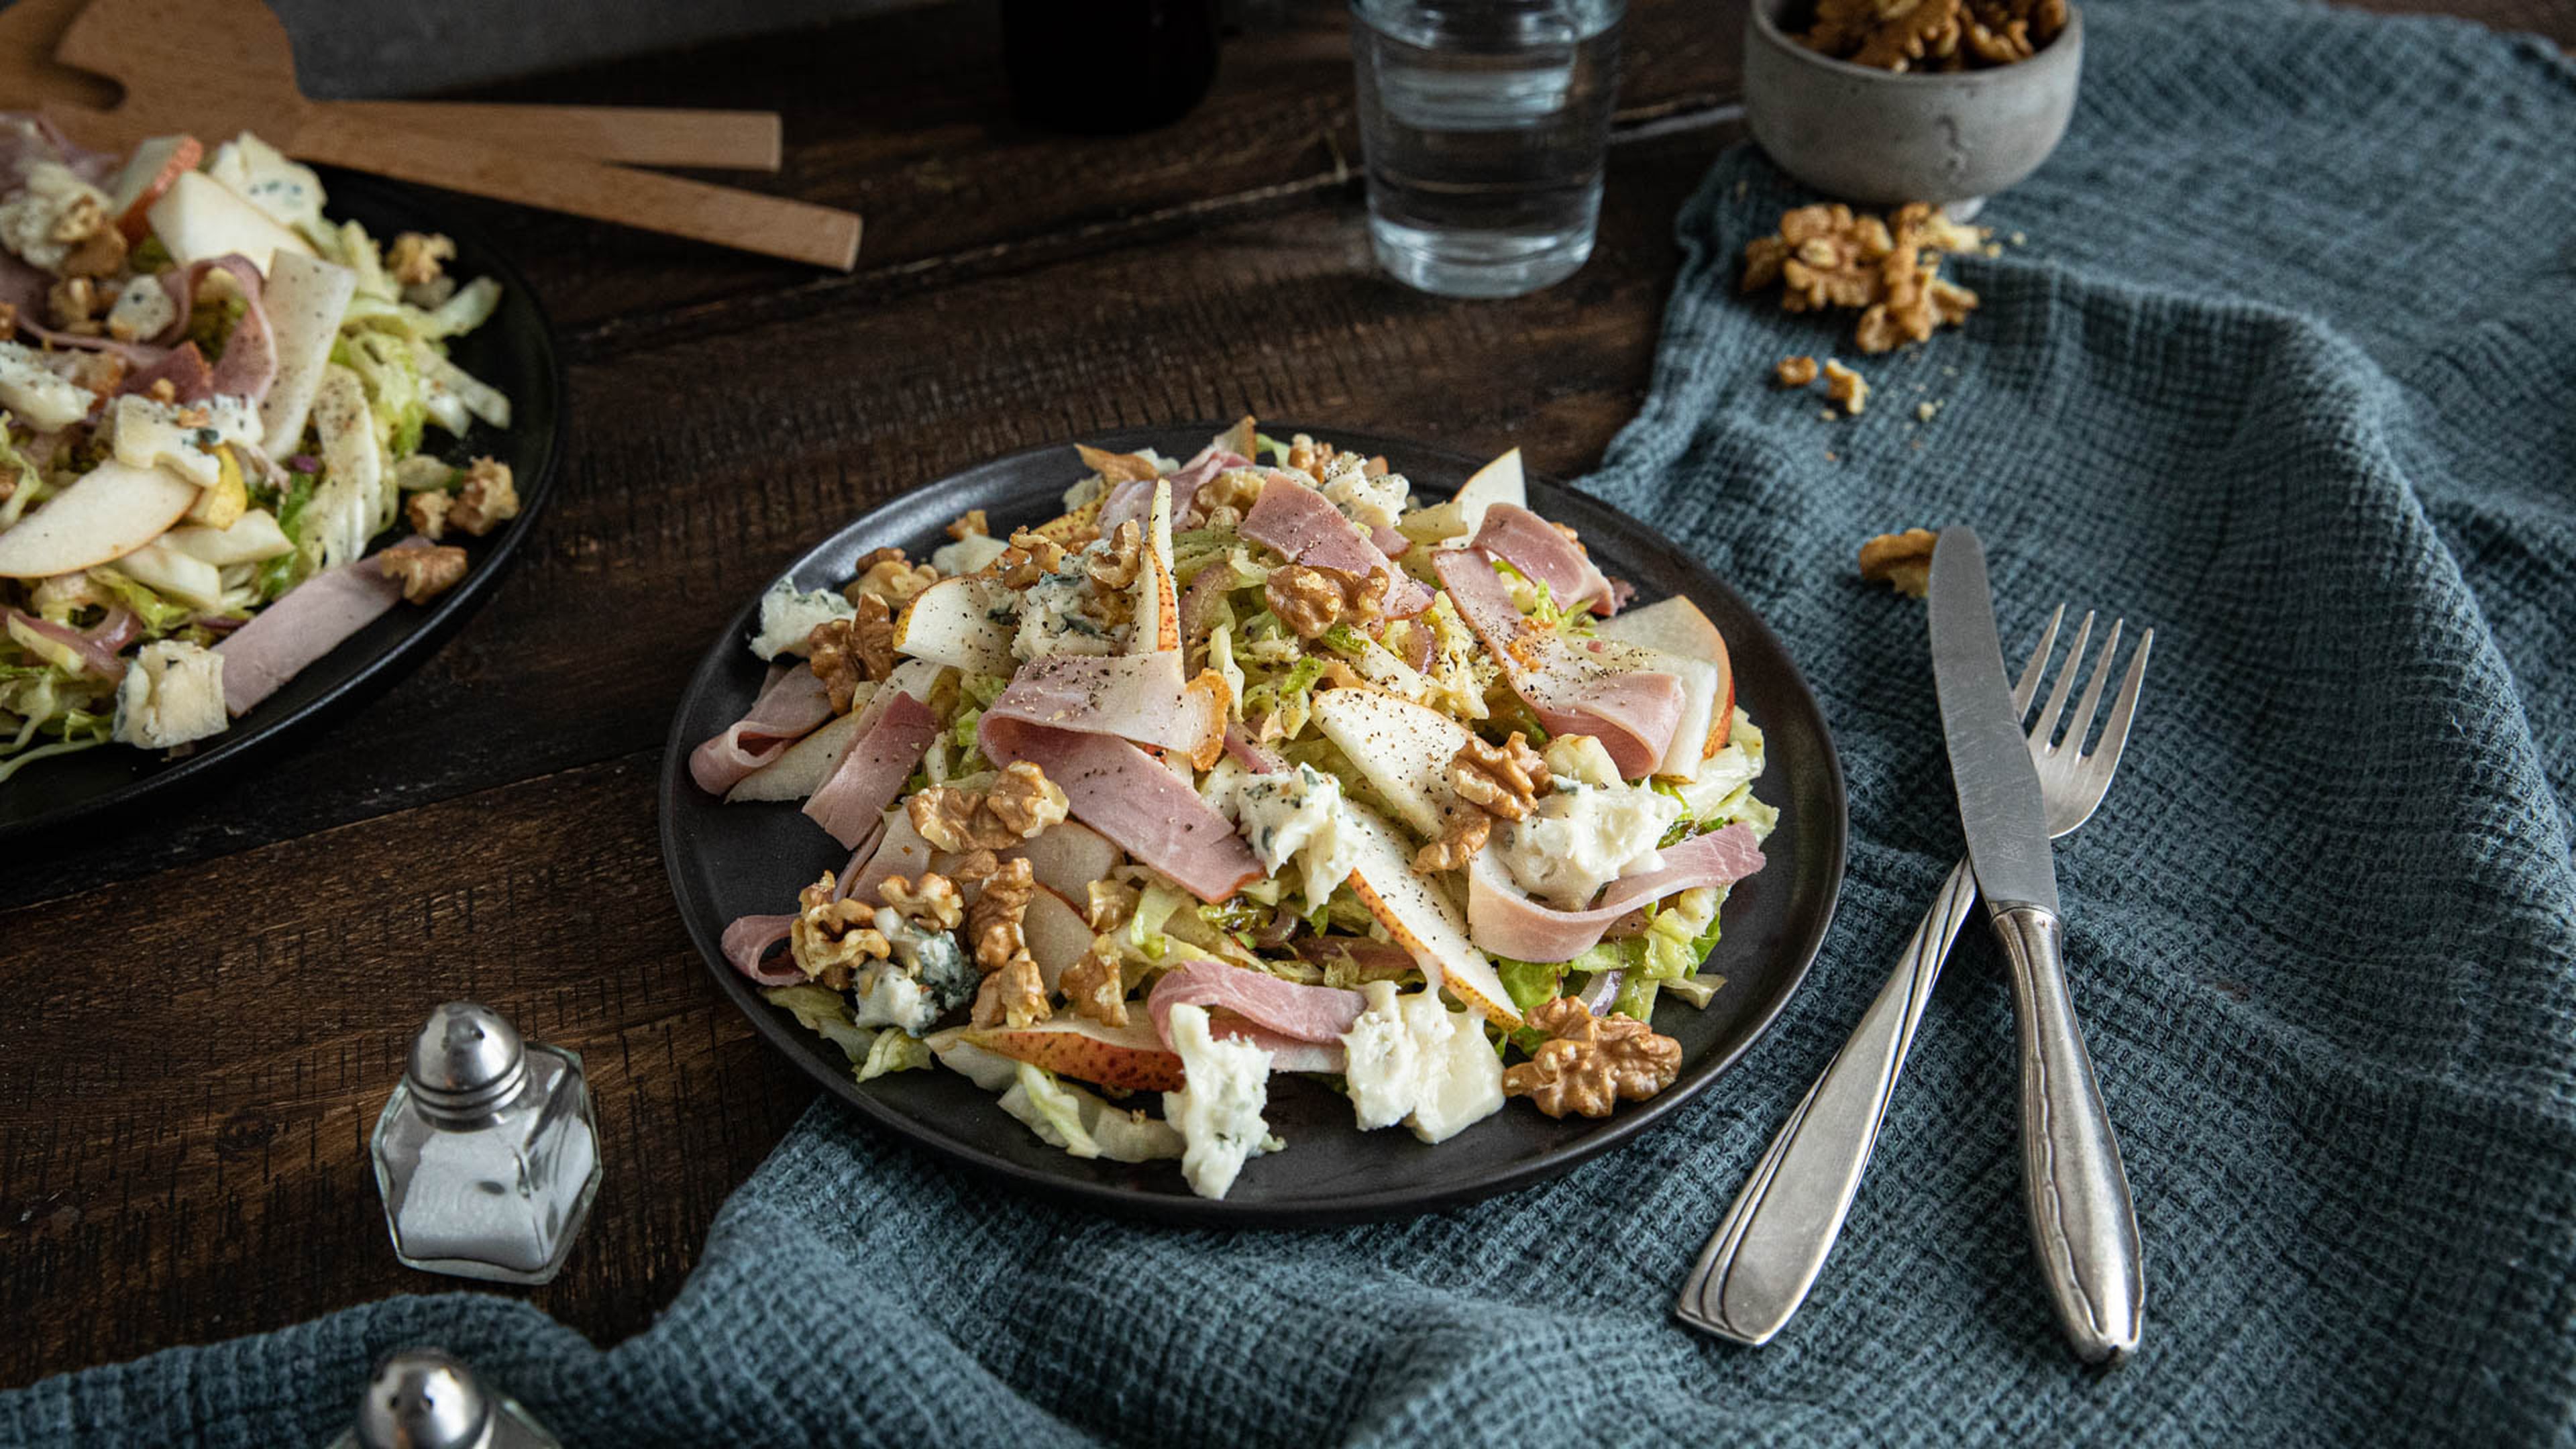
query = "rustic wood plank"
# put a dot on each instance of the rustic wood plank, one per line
(701, 467)
(904, 117)
(183, 1137)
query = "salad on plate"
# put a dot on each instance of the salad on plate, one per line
(213, 400)
(1241, 765)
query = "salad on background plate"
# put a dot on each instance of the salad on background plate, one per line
(1247, 764)
(214, 399)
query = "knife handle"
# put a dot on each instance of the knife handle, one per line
(2082, 1223)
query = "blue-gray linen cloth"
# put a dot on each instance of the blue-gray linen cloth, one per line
(2286, 368)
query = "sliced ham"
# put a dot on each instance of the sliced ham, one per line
(1128, 796)
(249, 363)
(1534, 546)
(1300, 1025)
(748, 944)
(183, 367)
(1596, 687)
(1503, 920)
(1139, 697)
(1303, 525)
(790, 705)
(307, 623)
(851, 802)
(1260, 759)
(1128, 500)
(1196, 474)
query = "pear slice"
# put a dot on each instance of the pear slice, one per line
(952, 623)
(107, 513)
(1129, 1057)
(1403, 748)
(156, 164)
(1156, 598)
(1499, 481)
(803, 768)
(1068, 856)
(1420, 917)
(200, 218)
(1056, 933)
(1676, 626)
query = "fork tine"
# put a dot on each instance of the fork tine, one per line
(2115, 734)
(2080, 723)
(2028, 684)
(2046, 730)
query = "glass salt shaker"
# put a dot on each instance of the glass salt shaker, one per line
(423, 1398)
(487, 1154)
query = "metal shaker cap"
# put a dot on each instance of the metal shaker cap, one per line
(466, 1062)
(423, 1398)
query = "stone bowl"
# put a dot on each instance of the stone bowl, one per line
(1882, 138)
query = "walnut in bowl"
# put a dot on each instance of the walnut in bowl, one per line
(1867, 133)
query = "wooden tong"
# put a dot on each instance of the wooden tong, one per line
(220, 66)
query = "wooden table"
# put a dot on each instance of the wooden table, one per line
(208, 1008)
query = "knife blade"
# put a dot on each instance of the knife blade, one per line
(2000, 806)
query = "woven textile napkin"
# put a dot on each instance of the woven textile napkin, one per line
(2287, 369)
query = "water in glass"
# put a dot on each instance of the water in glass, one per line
(1484, 123)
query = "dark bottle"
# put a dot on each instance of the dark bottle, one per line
(1107, 67)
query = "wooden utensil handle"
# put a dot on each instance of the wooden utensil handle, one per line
(745, 220)
(632, 135)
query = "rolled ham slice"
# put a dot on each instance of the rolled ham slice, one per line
(1596, 687)
(1139, 697)
(790, 705)
(1126, 795)
(1302, 524)
(1300, 1025)
(851, 803)
(307, 623)
(748, 943)
(1534, 546)
(1503, 920)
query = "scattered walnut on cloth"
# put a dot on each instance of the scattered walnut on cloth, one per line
(1827, 256)
(1902, 561)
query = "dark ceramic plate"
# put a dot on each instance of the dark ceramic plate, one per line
(733, 860)
(515, 352)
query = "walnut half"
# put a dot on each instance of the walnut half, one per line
(1504, 780)
(1590, 1062)
(426, 573)
(1021, 802)
(1311, 600)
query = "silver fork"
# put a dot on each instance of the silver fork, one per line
(1766, 1253)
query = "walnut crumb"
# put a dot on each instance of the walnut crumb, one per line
(426, 573)
(1796, 371)
(1902, 561)
(1846, 387)
(427, 511)
(1095, 984)
(416, 259)
(1589, 1062)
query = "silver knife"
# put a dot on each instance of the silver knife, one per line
(2083, 1225)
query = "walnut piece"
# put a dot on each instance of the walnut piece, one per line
(426, 573)
(417, 259)
(1504, 780)
(1112, 904)
(1311, 458)
(831, 939)
(1224, 499)
(1590, 1062)
(993, 922)
(1902, 561)
(1025, 801)
(932, 903)
(1846, 387)
(1031, 557)
(891, 581)
(1468, 830)
(1311, 600)
(1021, 802)
(485, 498)
(427, 511)
(1095, 985)
(1113, 564)
(73, 304)
(969, 524)
(1797, 371)
(843, 652)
